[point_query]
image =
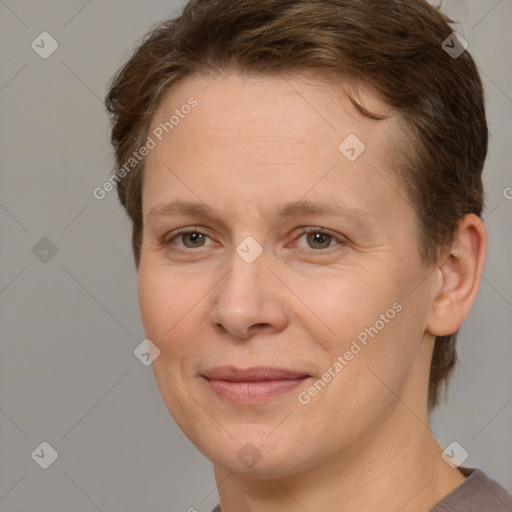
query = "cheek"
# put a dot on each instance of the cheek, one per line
(162, 303)
(348, 306)
(380, 345)
(152, 303)
(371, 326)
(173, 308)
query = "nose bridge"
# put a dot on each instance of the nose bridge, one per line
(246, 296)
(243, 285)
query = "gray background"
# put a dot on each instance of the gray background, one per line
(70, 324)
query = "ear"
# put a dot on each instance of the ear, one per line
(458, 277)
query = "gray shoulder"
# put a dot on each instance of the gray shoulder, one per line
(478, 493)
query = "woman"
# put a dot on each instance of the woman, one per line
(305, 191)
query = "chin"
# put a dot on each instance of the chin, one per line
(253, 452)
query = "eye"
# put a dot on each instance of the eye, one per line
(318, 238)
(191, 238)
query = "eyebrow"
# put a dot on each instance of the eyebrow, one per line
(292, 209)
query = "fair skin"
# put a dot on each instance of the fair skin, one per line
(250, 146)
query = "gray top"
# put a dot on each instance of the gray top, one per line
(478, 493)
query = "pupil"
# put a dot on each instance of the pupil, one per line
(320, 238)
(194, 237)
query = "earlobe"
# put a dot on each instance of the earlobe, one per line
(459, 277)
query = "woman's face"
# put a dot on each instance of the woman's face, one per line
(253, 274)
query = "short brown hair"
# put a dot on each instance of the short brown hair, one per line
(394, 46)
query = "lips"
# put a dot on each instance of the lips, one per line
(252, 385)
(232, 374)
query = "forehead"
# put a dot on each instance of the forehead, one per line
(271, 135)
(304, 102)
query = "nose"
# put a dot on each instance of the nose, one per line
(249, 299)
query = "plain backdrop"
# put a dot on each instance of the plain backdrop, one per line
(68, 298)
